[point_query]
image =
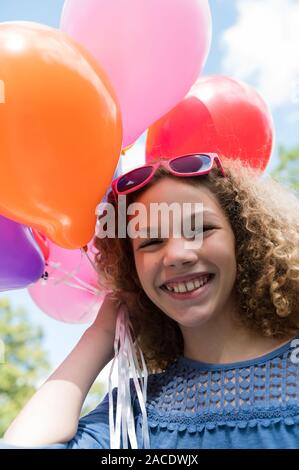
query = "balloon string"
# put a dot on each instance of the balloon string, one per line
(93, 264)
(71, 276)
(85, 253)
(68, 275)
(92, 290)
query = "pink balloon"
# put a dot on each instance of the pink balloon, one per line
(59, 300)
(152, 51)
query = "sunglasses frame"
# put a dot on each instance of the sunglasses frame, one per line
(165, 162)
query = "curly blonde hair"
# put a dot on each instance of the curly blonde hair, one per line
(263, 215)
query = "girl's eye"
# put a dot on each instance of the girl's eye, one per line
(198, 230)
(153, 241)
(204, 229)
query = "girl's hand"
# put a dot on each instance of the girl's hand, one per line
(104, 326)
(107, 316)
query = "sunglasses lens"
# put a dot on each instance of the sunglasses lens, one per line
(191, 163)
(133, 178)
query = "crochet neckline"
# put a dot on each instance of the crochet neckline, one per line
(185, 361)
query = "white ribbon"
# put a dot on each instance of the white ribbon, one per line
(125, 353)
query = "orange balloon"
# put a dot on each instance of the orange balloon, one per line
(60, 133)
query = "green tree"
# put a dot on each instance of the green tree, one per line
(23, 362)
(287, 170)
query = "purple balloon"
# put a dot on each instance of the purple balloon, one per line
(21, 259)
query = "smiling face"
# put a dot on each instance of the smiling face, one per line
(162, 260)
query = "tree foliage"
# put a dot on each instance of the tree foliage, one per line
(23, 361)
(287, 170)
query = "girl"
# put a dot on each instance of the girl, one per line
(216, 321)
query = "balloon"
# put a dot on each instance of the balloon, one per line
(152, 51)
(60, 133)
(42, 243)
(71, 298)
(21, 261)
(219, 115)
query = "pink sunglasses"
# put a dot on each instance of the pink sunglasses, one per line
(186, 165)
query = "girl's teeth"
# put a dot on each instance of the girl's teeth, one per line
(188, 286)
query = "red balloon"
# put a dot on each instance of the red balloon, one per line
(219, 115)
(42, 242)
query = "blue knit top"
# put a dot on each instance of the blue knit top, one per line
(194, 405)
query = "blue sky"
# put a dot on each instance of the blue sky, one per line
(253, 40)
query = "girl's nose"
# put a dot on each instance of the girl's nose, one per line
(177, 252)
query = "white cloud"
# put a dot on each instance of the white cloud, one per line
(262, 48)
